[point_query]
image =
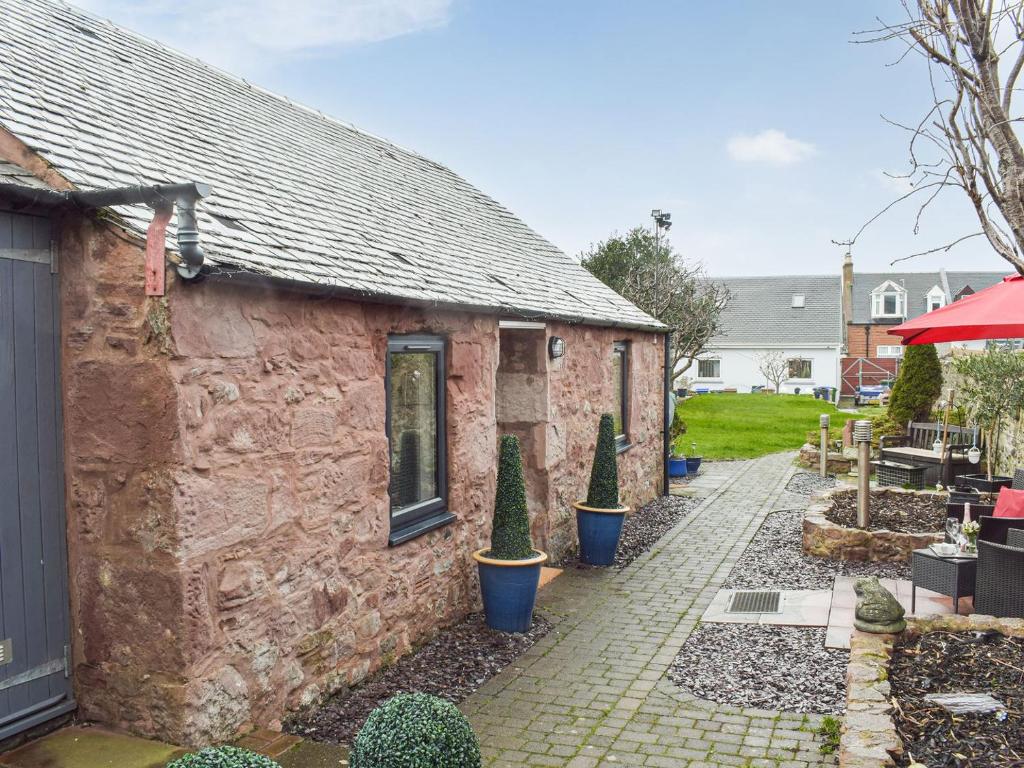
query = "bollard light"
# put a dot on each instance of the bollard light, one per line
(862, 436)
(823, 421)
(862, 431)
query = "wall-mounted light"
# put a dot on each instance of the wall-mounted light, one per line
(556, 347)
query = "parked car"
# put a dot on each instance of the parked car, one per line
(873, 393)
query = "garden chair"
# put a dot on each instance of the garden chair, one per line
(999, 589)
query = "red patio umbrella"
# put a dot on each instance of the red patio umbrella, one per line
(996, 312)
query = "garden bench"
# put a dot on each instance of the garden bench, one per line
(915, 448)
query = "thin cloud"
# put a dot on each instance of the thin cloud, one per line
(769, 147)
(228, 32)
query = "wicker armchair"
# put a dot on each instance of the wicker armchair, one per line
(999, 590)
(995, 529)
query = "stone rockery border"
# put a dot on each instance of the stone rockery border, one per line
(823, 538)
(869, 738)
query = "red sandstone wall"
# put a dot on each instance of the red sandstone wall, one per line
(581, 388)
(121, 445)
(227, 487)
(282, 499)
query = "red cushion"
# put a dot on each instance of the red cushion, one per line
(1010, 503)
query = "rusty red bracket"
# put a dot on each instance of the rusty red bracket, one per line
(156, 236)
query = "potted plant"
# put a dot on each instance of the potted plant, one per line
(510, 568)
(676, 460)
(992, 390)
(599, 519)
(693, 461)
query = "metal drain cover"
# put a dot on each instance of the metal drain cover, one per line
(755, 602)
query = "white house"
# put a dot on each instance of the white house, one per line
(798, 317)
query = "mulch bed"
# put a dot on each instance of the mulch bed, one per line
(897, 512)
(453, 665)
(967, 662)
(762, 666)
(642, 529)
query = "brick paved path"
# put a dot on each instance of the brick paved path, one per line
(594, 692)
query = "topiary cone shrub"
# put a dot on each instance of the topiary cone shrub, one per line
(604, 474)
(510, 534)
(918, 385)
(223, 757)
(415, 730)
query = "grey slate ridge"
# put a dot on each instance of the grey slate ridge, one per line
(297, 195)
(917, 285)
(760, 312)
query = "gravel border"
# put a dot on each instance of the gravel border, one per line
(453, 665)
(764, 667)
(642, 529)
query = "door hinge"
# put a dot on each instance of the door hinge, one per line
(6, 651)
(67, 661)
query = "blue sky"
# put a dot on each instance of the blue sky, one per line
(758, 125)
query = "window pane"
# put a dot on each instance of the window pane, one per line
(413, 428)
(890, 304)
(799, 369)
(708, 369)
(618, 367)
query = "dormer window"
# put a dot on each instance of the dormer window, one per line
(889, 300)
(935, 299)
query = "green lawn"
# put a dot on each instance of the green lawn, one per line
(735, 426)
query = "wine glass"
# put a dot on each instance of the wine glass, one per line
(953, 530)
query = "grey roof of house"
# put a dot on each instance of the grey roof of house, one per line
(296, 194)
(760, 311)
(917, 285)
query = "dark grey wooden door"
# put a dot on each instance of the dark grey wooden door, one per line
(34, 682)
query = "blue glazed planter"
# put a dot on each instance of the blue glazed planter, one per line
(677, 467)
(599, 531)
(509, 590)
(693, 464)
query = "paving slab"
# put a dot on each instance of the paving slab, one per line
(593, 692)
(83, 747)
(844, 602)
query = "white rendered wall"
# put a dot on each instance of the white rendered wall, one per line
(739, 369)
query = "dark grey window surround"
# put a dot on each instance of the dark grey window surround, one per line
(622, 441)
(412, 521)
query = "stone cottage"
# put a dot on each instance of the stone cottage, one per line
(253, 367)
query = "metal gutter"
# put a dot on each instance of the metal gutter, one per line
(158, 196)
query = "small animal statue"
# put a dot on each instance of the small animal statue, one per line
(877, 610)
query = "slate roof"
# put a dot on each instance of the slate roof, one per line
(917, 285)
(296, 194)
(14, 174)
(760, 311)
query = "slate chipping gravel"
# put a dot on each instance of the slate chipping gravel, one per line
(763, 667)
(642, 529)
(775, 557)
(774, 667)
(453, 665)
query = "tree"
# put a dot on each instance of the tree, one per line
(652, 276)
(774, 367)
(969, 138)
(918, 385)
(992, 389)
(510, 534)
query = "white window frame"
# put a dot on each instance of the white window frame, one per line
(889, 351)
(810, 367)
(935, 296)
(878, 296)
(715, 377)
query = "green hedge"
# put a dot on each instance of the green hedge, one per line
(415, 730)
